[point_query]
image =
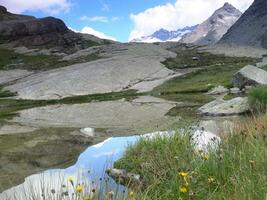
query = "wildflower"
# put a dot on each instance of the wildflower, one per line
(183, 189)
(131, 194)
(93, 190)
(70, 179)
(205, 156)
(211, 180)
(183, 174)
(252, 162)
(79, 189)
(87, 197)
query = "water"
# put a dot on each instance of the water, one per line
(89, 168)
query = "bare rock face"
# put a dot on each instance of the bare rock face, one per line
(212, 30)
(251, 28)
(48, 32)
(250, 76)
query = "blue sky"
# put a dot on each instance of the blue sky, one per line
(122, 19)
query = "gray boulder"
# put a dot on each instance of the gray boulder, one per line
(221, 107)
(250, 76)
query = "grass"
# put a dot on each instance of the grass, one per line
(212, 70)
(237, 170)
(258, 98)
(11, 60)
(184, 59)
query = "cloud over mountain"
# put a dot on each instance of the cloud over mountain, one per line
(178, 15)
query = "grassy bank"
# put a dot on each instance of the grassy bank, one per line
(236, 171)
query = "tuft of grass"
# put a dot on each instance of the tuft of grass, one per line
(237, 170)
(258, 98)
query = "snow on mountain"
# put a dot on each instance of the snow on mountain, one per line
(164, 35)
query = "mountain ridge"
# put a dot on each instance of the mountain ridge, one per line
(163, 35)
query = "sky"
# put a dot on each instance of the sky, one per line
(123, 20)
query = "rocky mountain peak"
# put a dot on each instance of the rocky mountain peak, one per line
(212, 30)
(3, 9)
(251, 28)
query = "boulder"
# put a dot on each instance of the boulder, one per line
(221, 107)
(218, 90)
(250, 76)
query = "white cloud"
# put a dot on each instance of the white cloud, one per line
(47, 6)
(95, 19)
(96, 33)
(182, 13)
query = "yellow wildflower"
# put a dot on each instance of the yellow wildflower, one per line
(183, 174)
(211, 180)
(183, 189)
(131, 194)
(79, 189)
(70, 179)
(205, 156)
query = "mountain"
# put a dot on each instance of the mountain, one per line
(5, 15)
(251, 28)
(212, 30)
(44, 33)
(164, 35)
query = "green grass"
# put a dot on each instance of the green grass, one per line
(213, 70)
(11, 60)
(184, 59)
(237, 171)
(258, 98)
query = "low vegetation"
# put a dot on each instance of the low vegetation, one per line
(172, 169)
(258, 99)
(212, 70)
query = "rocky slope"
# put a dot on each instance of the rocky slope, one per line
(164, 35)
(49, 32)
(251, 28)
(211, 30)
(125, 66)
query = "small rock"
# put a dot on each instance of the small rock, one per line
(195, 58)
(88, 132)
(235, 90)
(218, 90)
